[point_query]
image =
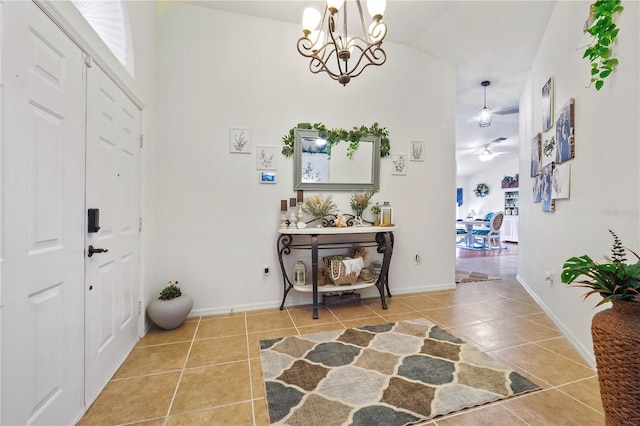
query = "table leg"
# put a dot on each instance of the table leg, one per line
(469, 235)
(314, 272)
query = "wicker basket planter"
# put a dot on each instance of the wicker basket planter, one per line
(616, 344)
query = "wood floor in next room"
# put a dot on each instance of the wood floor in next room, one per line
(207, 372)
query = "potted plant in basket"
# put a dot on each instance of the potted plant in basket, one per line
(170, 309)
(615, 331)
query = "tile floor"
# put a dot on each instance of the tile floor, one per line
(208, 371)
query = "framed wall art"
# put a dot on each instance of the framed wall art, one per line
(561, 181)
(240, 141)
(565, 140)
(267, 177)
(548, 203)
(399, 164)
(266, 158)
(536, 152)
(547, 105)
(417, 151)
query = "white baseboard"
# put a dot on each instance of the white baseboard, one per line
(586, 353)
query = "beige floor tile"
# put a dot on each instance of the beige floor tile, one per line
(402, 316)
(217, 351)
(231, 415)
(254, 339)
(394, 306)
(586, 391)
(449, 317)
(421, 303)
(562, 346)
(541, 318)
(549, 366)
(257, 381)
(552, 407)
(158, 336)
(365, 321)
(303, 316)
(135, 399)
(483, 312)
(212, 386)
(219, 327)
(487, 337)
(514, 307)
(526, 329)
(321, 327)
(491, 415)
(154, 359)
(261, 412)
(269, 321)
(352, 312)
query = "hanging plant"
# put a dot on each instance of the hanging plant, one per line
(334, 136)
(604, 31)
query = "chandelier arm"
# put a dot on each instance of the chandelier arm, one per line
(365, 31)
(381, 59)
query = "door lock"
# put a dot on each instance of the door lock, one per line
(96, 250)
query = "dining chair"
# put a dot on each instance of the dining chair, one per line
(492, 234)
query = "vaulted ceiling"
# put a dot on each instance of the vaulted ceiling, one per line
(485, 40)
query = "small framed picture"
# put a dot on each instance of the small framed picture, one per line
(266, 158)
(417, 151)
(547, 105)
(399, 164)
(267, 177)
(240, 141)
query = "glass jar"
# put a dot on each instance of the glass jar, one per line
(386, 213)
(299, 273)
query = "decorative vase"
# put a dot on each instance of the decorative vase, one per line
(170, 313)
(616, 345)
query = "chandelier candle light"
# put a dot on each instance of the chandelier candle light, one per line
(335, 51)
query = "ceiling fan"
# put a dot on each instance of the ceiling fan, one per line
(508, 110)
(486, 154)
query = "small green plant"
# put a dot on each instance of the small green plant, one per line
(171, 291)
(616, 280)
(375, 209)
(604, 32)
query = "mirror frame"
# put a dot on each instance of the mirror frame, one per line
(323, 186)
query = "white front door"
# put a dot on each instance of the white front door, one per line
(43, 235)
(113, 276)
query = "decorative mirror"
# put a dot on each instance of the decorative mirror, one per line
(320, 168)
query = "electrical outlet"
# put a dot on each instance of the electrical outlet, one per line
(548, 276)
(265, 270)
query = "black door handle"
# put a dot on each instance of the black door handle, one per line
(96, 250)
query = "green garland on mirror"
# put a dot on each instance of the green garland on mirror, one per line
(604, 32)
(334, 136)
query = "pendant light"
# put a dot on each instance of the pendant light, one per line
(484, 119)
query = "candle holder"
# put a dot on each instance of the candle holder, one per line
(293, 219)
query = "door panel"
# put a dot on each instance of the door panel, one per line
(113, 164)
(43, 220)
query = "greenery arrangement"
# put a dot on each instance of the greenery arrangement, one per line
(319, 206)
(615, 280)
(375, 209)
(361, 200)
(171, 291)
(604, 32)
(334, 136)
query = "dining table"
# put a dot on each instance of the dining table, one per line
(469, 224)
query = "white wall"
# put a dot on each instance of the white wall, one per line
(492, 177)
(604, 173)
(213, 226)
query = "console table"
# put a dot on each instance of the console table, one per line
(308, 239)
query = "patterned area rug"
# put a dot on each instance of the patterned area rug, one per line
(390, 374)
(471, 276)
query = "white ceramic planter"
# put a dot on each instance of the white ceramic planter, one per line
(170, 314)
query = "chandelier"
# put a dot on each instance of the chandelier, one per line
(333, 49)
